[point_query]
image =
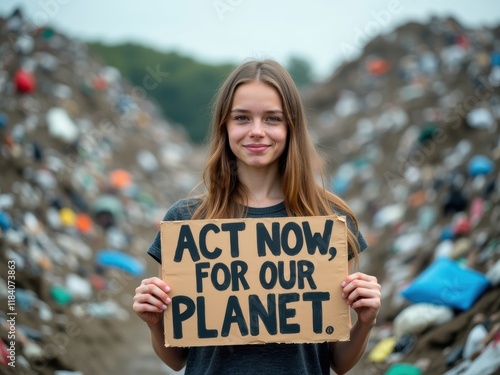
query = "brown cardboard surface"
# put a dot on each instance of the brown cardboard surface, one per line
(231, 280)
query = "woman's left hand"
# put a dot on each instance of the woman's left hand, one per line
(362, 293)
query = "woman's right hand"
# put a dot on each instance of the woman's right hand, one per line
(151, 300)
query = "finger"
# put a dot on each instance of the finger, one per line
(358, 276)
(362, 293)
(355, 284)
(143, 301)
(143, 307)
(151, 291)
(158, 282)
(154, 290)
(373, 303)
(151, 300)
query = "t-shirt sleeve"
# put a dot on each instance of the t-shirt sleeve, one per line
(362, 245)
(154, 248)
(180, 210)
(361, 242)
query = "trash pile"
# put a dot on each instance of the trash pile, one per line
(88, 168)
(411, 132)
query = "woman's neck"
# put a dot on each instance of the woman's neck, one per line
(264, 187)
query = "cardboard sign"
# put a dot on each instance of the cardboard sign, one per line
(254, 281)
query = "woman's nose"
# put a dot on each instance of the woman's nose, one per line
(257, 128)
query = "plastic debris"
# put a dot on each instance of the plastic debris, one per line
(382, 349)
(420, 316)
(24, 81)
(78, 287)
(121, 261)
(480, 165)
(403, 369)
(5, 221)
(445, 283)
(60, 295)
(61, 126)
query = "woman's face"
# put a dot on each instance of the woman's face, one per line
(256, 127)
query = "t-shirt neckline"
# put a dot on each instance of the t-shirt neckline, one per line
(266, 210)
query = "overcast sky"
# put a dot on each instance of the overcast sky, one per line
(325, 32)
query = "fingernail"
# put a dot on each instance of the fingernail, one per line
(164, 307)
(167, 289)
(168, 300)
(343, 295)
(343, 284)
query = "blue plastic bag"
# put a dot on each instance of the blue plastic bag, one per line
(446, 283)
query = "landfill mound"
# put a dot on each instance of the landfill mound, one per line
(88, 168)
(410, 132)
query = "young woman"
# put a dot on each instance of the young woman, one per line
(260, 164)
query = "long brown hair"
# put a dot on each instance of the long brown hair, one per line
(303, 195)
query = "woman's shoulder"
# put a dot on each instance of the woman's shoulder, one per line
(353, 227)
(183, 209)
(351, 221)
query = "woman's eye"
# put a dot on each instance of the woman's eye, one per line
(273, 119)
(241, 118)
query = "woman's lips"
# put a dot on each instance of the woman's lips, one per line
(256, 148)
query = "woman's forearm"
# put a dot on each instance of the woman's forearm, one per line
(175, 358)
(345, 354)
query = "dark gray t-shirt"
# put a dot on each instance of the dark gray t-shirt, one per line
(273, 359)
